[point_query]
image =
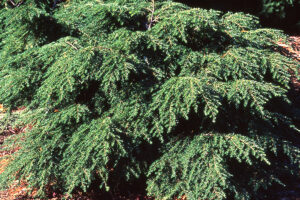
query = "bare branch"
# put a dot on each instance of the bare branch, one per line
(74, 47)
(14, 4)
(151, 21)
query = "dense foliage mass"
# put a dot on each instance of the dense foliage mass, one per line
(277, 7)
(193, 101)
(264, 7)
(283, 14)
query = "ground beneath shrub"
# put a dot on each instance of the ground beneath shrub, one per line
(20, 190)
(292, 49)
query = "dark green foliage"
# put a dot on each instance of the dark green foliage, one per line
(271, 7)
(194, 99)
(283, 14)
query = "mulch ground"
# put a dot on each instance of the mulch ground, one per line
(19, 191)
(292, 49)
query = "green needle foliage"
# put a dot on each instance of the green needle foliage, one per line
(194, 101)
(265, 8)
(271, 7)
(282, 14)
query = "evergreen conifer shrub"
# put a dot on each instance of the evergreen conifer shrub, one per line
(282, 14)
(265, 8)
(194, 101)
